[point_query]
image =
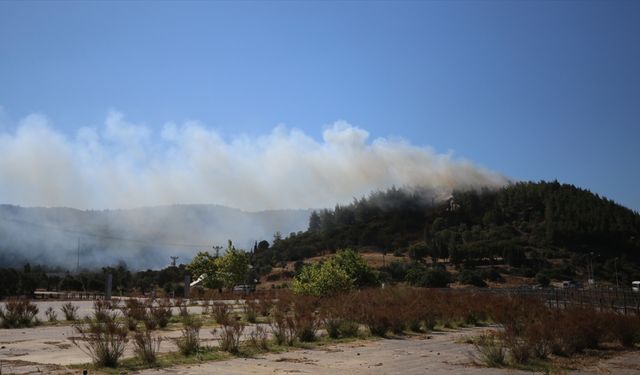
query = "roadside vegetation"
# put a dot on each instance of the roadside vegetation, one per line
(521, 332)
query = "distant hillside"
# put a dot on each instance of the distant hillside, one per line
(142, 238)
(523, 225)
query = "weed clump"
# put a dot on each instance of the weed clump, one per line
(70, 311)
(230, 335)
(304, 322)
(221, 312)
(251, 310)
(491, 349)
(278, 324)
(51, 314)
(134, 311)
(18, 314)
(259, 338)
(161, 313)
(103, 339)
(189, 342)
(146, 346)
(101, 309)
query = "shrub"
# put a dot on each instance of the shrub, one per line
(230, 335)
(332, 325)
(491, 349)
(259, 338)
(101, 309)
(51, 314)
(543, 279)
(349, 328)
(625, 329)
(264, 306)
(251, 309)
(415, 325)
(340, 273)
(539, 338)
(146, 346)
(278, 324)
(182, 307)
(150, 322)
(221, 312)
(575, 329)
(134, 311)
(189, 342)
(492, 275)
(305, 320)
(374, 310)
(518, 348)
(419, 275)
(469, 277)
(161, 313)
(70, 311)
(206, 307)
(18, 314)
(104, 341)
(356, 268)
(322, 279)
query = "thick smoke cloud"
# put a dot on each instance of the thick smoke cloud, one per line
(122, 165)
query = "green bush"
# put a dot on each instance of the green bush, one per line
(322, 279)
(420, 275)
(340, 273)
(491, 349)
(469, 277)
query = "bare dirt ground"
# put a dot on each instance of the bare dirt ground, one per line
(47, 349)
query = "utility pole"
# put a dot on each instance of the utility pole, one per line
(592, 282)
(78, 257)
(217, 248)
(615, 267)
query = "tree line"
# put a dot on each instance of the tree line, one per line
(522, 225)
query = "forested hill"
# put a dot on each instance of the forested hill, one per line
(515, 225)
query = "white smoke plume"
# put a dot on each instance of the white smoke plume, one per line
(123, 165)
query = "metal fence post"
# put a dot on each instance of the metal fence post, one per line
(187, 285)
(108, 287)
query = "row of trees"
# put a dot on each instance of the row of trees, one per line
(24, 281)
(221, 272)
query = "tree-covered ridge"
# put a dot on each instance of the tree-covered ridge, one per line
(522, 225)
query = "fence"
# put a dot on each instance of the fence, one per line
(624, 301)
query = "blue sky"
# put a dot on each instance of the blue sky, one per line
(533, 90)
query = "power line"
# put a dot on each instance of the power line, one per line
(103, 236)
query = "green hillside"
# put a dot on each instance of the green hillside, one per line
(531, 227)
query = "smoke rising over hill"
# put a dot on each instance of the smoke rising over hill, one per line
(124, 165)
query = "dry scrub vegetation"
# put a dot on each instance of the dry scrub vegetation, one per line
(524, 330)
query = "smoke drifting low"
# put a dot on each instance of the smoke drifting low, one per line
(124, 165)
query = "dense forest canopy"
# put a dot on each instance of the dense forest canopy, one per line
(521, 225)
